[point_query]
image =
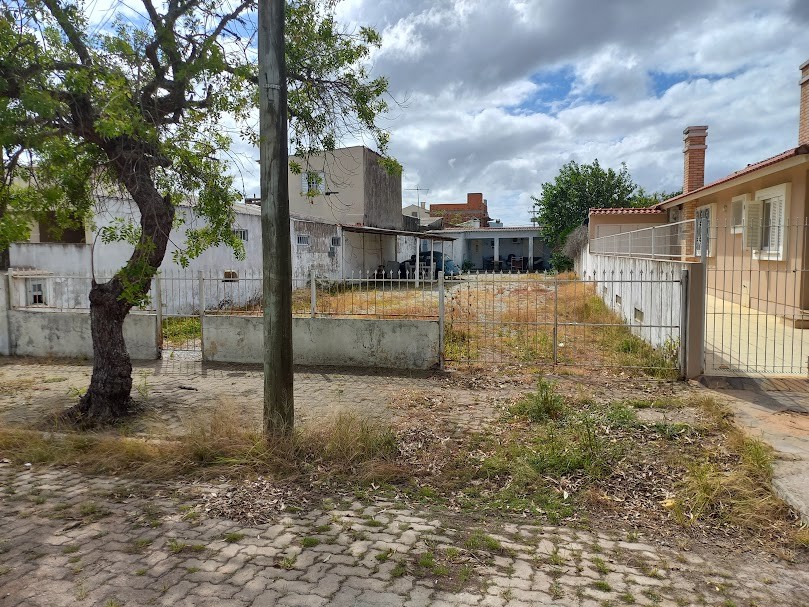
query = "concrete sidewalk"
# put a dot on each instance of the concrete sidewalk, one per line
(777, 412)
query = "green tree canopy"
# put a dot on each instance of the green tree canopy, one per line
(146, 106)
(564, 202)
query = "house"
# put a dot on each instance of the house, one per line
(517, 248)
(453, 214)
(345, 222)
(419, 211)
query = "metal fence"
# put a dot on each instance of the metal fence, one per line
(756, 298)
(604, 320)
(669, 241)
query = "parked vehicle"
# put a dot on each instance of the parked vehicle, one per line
(442, 262)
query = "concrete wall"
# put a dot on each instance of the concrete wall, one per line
(343, 175)
(383, 194)
(45, 333)
(646, 294)
(397, 344)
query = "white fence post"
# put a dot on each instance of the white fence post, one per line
(441, 319)
(313, 296)
(201, 312)
(158, 300)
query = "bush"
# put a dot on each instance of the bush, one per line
(561, 262)
(543, 405)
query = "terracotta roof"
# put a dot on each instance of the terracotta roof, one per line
(750, 168)
(628, 211)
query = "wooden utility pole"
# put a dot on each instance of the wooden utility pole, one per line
(279, 410)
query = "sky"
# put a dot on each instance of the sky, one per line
(495, 96)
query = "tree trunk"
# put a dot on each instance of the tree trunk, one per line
(108, 397)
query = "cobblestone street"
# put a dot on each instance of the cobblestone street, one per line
(68, 539)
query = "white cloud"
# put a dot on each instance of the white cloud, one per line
(621, 81)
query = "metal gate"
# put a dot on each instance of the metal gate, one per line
(181, 306)
(606, 319)
(755, 297)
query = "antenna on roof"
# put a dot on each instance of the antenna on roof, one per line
(418, 190)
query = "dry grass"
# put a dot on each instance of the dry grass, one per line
(344, 445)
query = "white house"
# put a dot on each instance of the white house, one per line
(496, 248)
(351, 232)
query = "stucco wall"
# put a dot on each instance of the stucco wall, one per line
(397, 344)
(44, 333)
(645, 293)
(383, 194)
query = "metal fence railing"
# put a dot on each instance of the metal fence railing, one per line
(757, 297)
(484, 318)
(669, 241)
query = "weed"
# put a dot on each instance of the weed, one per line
(288, 562)
(384, 556)
(556, 590)
(113, 603)
(179, 330)
(310, 542)
(72, 548)
(140, 572)
(374, 523)
(53, 380)
(627, 597)
(602, 585)
(479, 540)
(323, 528)
(233, 537)
(176, 546)
(74, 559)
(399, 570)
(600, 566)
(542, 405)
(426, 560)
(192, 569)
(4, 569)
(555, 558)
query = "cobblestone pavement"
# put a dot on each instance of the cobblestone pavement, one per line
(69, 539)
(32, 389)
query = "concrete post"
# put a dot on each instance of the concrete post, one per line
(5, 306)
(441, 310)
(695, 321)
(530, 254)
(496, 253)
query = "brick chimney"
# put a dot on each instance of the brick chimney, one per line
(803, 125)
(694, 157)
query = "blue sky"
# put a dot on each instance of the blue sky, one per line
(502, 93)
(496, 95)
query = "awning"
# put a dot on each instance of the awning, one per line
(388, 232)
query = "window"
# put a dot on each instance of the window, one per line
(737, 206)
(313, 183)
(230, 276)
(36, 292)
(414, 214)
(303, 240)
(335, 241)
(765, 224)
(702, 216)
(240, 234)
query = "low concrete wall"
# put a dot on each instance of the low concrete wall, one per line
(648, 295)
(51, 333)
(397, 344)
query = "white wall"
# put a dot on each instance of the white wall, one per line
(68, 334)
(629, 285)
(396, 344)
